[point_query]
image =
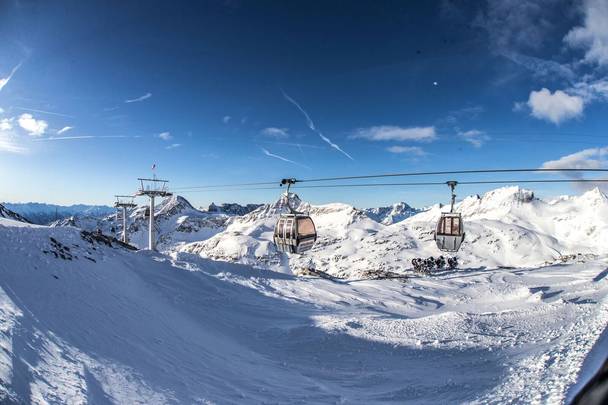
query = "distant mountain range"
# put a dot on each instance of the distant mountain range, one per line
(42, 214)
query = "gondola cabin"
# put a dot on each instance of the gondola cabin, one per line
(294, 233)
(449, 234)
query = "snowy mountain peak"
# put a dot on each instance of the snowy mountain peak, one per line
(594, 197)
(232, 208)
(392, 214)
(173, 205)
(498, 202)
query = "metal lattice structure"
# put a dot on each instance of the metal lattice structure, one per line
(153, 188)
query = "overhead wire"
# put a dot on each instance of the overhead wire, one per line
(409, 184)
(384, 175)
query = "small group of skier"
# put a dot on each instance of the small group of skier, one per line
(431, 263)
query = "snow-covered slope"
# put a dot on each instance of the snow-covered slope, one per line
(504, 227)
(393, 214)
(84, 320)
(248, 239)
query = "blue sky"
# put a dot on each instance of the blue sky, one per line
(217, 92)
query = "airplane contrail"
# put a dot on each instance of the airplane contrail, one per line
(4, 81)
(43, 112)
(313, 128)
(138, 99)
(267, 153)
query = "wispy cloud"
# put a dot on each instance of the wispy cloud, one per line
(31, 125)
(592, 35)
(312, 127)
(9, 143)
(475, 137)
(6, 124)
(80, 137)
(395, 133)
(173, 146)
(226, 119)
(410, 150)
(165, 136)
(284, 159)
(140, 98)
(64, 130)
(275, 132)
(4, 81)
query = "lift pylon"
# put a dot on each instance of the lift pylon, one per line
(153, 188)
(125, 202)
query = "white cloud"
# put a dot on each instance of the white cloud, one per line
(592, 36)
(276, 132)
(474, 137)
(593, 158)
(64, 129)
(555, 107)
(6, 124)
(165, 136)
(33, 126)
(226, 119)
(4, 81)
(411, 150)
(395, 133)
(173, 146)
(1, 110)
(138, 99)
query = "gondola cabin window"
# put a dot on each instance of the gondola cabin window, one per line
(306, 228)
(449, 226)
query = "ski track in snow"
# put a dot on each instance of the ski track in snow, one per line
(144, 328)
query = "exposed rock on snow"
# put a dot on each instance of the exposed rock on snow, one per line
(232, 209)
(6, 213)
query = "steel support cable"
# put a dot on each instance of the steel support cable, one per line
(450, 172)
(374, 176)
(438, 183)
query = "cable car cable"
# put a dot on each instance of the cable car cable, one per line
(446, 172)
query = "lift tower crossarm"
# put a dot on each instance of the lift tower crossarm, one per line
(155, 188)
(124, 202)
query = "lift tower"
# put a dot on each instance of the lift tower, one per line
(153, 188)
(125, 202)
